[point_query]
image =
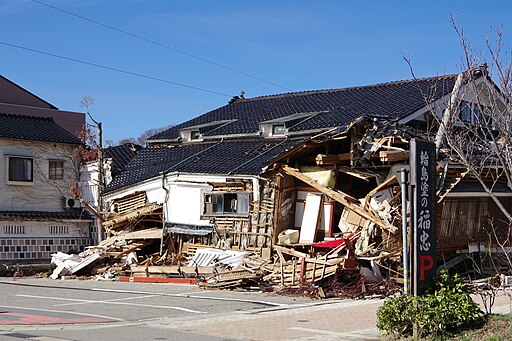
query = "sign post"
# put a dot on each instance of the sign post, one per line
(423, 190)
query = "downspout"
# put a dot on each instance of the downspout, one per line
(164, 207)
(403, 185)
(448, 111)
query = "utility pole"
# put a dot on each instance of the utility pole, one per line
(101, 182)
(101, 178)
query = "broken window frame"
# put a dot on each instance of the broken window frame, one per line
(474, 114)
(326, 223)
(226, 204)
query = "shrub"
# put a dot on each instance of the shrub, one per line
(447, 309)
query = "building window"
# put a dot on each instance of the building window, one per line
(465, 113)
(473, 113)
(56, 170)
(20, 169)
(194, 135)
(278, 129)
(226, 204)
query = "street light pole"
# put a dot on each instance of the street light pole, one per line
(101, 177)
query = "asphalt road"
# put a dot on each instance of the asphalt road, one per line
(44, 309)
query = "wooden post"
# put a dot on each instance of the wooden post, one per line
(302, 269)
(294, 264)
(314, 271)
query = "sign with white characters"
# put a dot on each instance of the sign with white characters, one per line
(423, 185)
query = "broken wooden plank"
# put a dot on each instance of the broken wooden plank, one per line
(154, 233)
(310, 220)
(121, 220)
(331, 159)
(449, 186)
(130, 202)
(171, 269)
(357, 173)
(344, 199)
(95, 212)
(388, 182)
(290, 252)
(393, 155)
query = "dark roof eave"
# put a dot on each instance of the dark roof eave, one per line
(230, 136)
(109, 191)
(163, 140)
(35, 140)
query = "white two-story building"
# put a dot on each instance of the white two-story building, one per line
(38, 216)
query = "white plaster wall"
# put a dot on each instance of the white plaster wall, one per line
(185, 203)
(89, 180)
(42, 194)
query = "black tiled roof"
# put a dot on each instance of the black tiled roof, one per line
(337, 107)
(69, 214)
(121, 155)
(331, 108)
(35, 129)
(221, 157)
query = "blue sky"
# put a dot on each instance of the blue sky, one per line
(300, 45)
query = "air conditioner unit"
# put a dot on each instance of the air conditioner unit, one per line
(72, 202)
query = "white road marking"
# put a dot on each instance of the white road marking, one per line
(105, 301)
(63, 311)
(114, 303)
(47, 338)
(273, 304)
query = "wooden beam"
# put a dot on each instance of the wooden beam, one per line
(331, 159)
(290, 252)
(346, 200)
(388, 182)
(96, 213)
(356, 173)
(393, 155)
(121, 220)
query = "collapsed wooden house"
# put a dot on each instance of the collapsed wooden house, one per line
(314, 171)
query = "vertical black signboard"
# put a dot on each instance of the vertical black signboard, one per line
(423, 182)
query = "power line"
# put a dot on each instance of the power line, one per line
(159, 44)
(114, 69)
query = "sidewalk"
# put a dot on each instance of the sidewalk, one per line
(344, 320)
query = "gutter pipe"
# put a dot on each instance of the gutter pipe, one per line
(403, 185)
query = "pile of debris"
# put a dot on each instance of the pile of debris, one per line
(134, 233)
(116, 253)
(140, 245)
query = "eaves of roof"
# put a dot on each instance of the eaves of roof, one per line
(70, 214)
(34, 129)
